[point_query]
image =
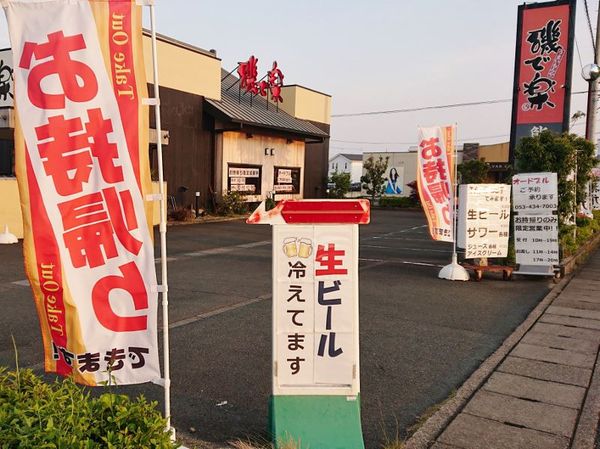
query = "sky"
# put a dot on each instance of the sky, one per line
(378, 55)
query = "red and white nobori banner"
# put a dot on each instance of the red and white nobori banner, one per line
(435, 172)
(82, 167)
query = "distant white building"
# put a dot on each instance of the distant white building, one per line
(347, 163)
(401, 171)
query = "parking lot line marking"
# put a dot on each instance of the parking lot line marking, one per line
(409, 239)
(408, 249)
(169, 259)
(423, 264)
(406, 262)
(34, 367)
(218, 311)
(226, 249)
(23, 283)
(388, 234)
(221, 310)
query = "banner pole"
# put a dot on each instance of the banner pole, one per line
(454, 271)
(163, 229)
(455, 196)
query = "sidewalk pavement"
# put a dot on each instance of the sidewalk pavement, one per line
(544, 390)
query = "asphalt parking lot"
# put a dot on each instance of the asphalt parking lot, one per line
(421, 337)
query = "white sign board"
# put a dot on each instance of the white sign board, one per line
(244, 172)
(315, 304)
(536, 240)
(484, 220)
(535, 193)
(595, 192)
(284, 176)
(7, 89)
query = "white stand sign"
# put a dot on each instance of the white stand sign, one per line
(484, 220)
(315, 295)
(535, 202)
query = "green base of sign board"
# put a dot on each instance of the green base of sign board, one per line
(316, 422)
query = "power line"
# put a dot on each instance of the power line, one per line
(411, 143)
(587, 14)
(578, 53)
(465, 140)
(437, 107)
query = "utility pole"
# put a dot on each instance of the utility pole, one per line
(590, 126)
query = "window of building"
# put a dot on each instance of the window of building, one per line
(287, 179)
(345, 165)
(7, 157)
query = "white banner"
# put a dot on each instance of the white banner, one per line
(78, 156)
(484, 220)
(536, 240)
(315, 309)
(595, 190)
(535, 193)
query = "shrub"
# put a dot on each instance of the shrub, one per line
(180, 214)
(373, 180)
(473, 172)
(35, 414)
(565, 154)
(586, 229)
(396, 201)
(340, 185)
(414, 192)
(232, 203)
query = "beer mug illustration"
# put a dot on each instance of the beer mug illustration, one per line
(289, 247)
(305, 249)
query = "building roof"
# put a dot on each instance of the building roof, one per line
(352, 157)
(177, 43)
(249, 110)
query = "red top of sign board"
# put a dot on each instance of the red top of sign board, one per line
(314, 212)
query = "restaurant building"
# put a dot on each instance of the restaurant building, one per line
(217, 136)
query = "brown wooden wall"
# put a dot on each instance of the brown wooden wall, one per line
(188, 156)
(316, 161)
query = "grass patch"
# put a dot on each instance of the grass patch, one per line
(263, 444)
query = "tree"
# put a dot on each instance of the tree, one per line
(473, 172)
(341, 184)
(414, 192)
(374, 178)
(567, 155)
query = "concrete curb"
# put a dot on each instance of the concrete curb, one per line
(435, 425)
(212, 219)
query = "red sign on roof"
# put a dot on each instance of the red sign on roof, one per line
(248, 73)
